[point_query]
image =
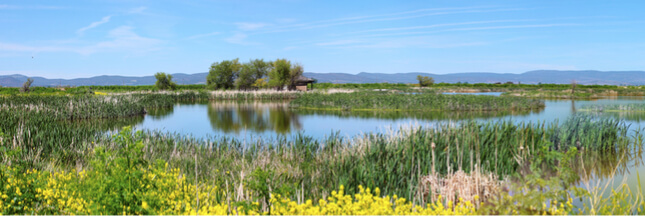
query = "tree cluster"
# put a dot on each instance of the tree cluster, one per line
(164, 81)
(425, 81)
(255, 74)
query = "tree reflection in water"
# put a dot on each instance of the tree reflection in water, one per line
(160, 113)
(232, 116)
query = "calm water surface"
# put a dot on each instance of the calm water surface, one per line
(270, 119)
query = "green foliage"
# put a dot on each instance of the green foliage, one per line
(260, 83)
(368, 100)
(537, 193)
(246, 77)
(300, 165)
(279, 75)
(425, 81)
(26, 85)
(380, 161)
(118, 174)
(260, 68)
(295, 72)
(222, 75)
(164, 81)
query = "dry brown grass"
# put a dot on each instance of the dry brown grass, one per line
(462, 185)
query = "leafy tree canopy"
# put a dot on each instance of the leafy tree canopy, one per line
(222, 75)
(279, 74)
(425, 81)
(164, 81)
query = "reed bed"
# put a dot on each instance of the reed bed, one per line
(426, 115)
(470, 187)
(308, 168)
(366, 100)
(632, 107)
(203, 95)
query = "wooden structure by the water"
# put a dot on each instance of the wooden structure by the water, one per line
(302, 83)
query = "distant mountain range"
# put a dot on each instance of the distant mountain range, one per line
(17, 80)
(531, 77)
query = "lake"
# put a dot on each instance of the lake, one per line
(271, 119)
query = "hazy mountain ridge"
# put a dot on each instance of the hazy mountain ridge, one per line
(16, 80)
(530, 77)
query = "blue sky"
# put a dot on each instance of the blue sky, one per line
(70, 39)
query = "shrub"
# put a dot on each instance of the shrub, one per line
(26, 85)
(425, 81)
(164, 81)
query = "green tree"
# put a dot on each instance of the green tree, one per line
(425, 81)
(294, 73)
(246, 77)
(260, 68)
(279, 74)
(222, 75)
(164, 81)
(261, 83)
(25, 86)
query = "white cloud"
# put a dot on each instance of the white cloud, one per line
(138, 10)
(291, 48)
(121, 39)
(202, 35)
(238, 38)
(285, 20)
(404, 42)
(440, 25)
(338, 42)
(27, 48)
(94, 24)
(246, 26)
(32, 7)
(389, 17)
(482, 28)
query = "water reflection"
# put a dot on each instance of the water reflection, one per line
(636, 117)
(227, 116)
(420, 115)
(605, 165)
(159, 113)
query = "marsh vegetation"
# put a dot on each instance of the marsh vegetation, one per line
(74, 143)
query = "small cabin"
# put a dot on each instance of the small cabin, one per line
(302, 83)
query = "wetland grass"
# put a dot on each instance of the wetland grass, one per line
(393, 101)
(394, 162)
(37, 133)
(632, 107)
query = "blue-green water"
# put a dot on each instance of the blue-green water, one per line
(270, 119)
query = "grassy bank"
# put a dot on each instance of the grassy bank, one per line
(367, 100)
(564, 91)
(424, 115)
